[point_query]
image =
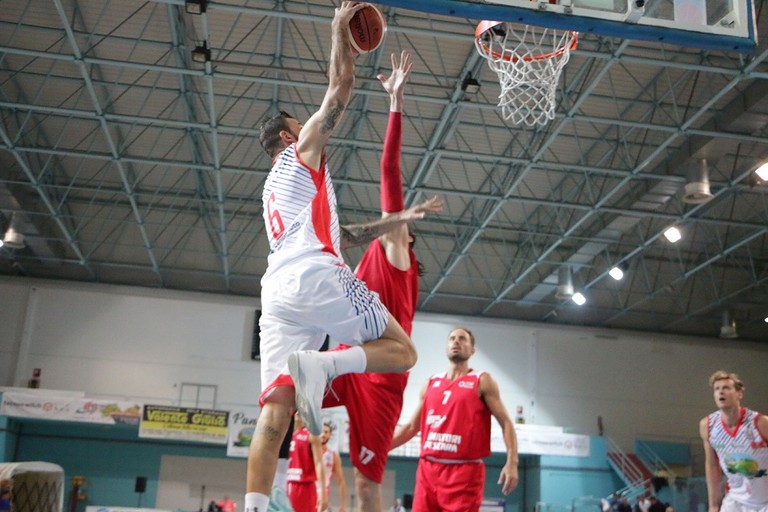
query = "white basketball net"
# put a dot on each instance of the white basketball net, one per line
(528, 61)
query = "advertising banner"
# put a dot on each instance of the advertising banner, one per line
(240, 431)
(542, 440)
(63, 408)
(493, 505)
(122, 509)
(184, 423)
(554, 444)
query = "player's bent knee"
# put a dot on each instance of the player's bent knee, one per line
(282, 398)
(411, 358)
(408, 356)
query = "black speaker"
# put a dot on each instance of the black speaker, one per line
(408, 501)
(141, 484)
(256, 339)
(659, 482)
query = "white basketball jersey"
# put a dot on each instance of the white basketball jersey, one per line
(328, 466)
(299, 212)
(743, 457)
(327, 461)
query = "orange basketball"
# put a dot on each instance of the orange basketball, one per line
(366, 29)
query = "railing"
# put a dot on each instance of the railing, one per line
(586, 504)
(543, 506)
(649, 457)
(633, 475)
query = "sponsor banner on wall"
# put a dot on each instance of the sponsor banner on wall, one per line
(493, 505)
(184, 423)
(63, 408)
(240, 431)
(91, 508)
(544, 441)
(243, 421)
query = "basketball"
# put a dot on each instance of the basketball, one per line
(366, 29)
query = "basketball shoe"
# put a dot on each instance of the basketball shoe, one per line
(311, 372)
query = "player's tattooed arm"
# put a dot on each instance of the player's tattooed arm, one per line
(332, 117)
(353, 235)
(358, 234)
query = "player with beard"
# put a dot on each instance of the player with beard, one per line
(332, 469)
(454, 418)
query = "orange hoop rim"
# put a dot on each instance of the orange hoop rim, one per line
(486, 25)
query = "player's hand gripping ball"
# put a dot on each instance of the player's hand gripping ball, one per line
(367, 29)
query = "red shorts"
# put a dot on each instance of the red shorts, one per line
(448, 487)
(303, 496)
(373, 402)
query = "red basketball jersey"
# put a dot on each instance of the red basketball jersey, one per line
(455, 423)
(397, 289)
(301, 463)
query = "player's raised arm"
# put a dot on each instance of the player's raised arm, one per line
(341, 81)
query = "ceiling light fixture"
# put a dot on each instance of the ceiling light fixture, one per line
(728, 327)
(696, 191)
(564, 283)
(195, 6)
(470, 85)
(616, 273)
(579, 298)
(201, 53)
(13, 239)
(762, 172)
(673, 234)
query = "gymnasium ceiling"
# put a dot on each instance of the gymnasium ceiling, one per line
(124, 161)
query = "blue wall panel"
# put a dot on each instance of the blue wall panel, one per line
(109, 457)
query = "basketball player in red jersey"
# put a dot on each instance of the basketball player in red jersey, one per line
(455, 423)
(305, 469)
(388, 267)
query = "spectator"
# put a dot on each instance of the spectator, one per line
(656, 505)
(624, 505)
(397, 506)
(227, 504)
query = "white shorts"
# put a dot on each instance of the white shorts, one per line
(731, 505)
(300, 306)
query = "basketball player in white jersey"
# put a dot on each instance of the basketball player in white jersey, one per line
(736, 445)
(308, 292)
(454, 417)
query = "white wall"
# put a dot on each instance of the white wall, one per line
(143, 344)
(136, 343)
(13, 308)
(640, 383)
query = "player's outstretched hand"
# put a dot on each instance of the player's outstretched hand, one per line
(418, 211)
(508, 478)
(401, 70)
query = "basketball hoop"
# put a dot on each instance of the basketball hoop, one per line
(528, 61)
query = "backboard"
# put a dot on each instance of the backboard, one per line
(703, 24)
